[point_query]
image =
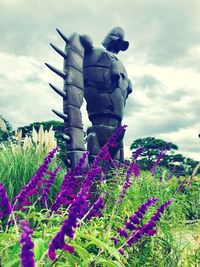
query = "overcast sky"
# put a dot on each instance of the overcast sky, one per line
(163, 62)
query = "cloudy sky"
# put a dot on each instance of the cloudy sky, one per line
(163, 62)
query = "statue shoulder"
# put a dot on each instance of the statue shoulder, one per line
(97, 56)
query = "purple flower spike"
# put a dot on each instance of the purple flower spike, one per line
(30, 188)
(159, 158)
(139, 214)
(134, 219)
(122, 232)
(76, 211)
(112, 142)
(138, 152)
(78, 169)
(97, 206)
(114, 239)
(27, 255)
(172, 172)
(130, 226)
(5, 206)
(133, 168)
(189, 182)
(148, 229)
(49, 183)
(134, 238)
(121, 251)
(180, 186)
(66, 191)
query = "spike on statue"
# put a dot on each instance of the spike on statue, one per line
(60, 73)
(61, 115)
(63, 36)
(58, 91)
(58, 50)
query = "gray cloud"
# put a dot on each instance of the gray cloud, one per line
(147, 81)
(162, 35)
(163, 32)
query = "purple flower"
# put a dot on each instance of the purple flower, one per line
(134, 219)
(66, 191)
(121, 251)
(148, 229)
(139, 214)
(134, 238)
(27, 255)
(76, 211)
(159, 158)
(172, 172)
(79, 205)
(96, 207)
(138, 152)
(30, 189)
(122, 232)
(116, 136)
(78, 169)
(49, 183)
(69, 184)
(114, 239)
(133, 168)
(102, 155)
(5, 206)
(130, 226)
(180, 186)
(189, 182)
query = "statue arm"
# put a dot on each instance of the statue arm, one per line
(87, 43)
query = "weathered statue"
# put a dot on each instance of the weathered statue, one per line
(97, 75)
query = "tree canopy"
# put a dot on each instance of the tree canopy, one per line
(152, 148)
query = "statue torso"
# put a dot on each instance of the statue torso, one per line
(105, 83)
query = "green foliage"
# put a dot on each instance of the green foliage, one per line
(175, 244)
(152, 148)
(18, 165)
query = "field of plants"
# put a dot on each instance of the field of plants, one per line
(50, 216)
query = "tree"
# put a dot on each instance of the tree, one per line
(152, 148)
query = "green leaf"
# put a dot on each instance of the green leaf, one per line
(70, 260)
(80, 250)
(112, 251)
(39, 248)
(12, 263)
(118, 264)
(14, 250)
(107, 263)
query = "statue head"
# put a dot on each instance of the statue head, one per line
(114, 41)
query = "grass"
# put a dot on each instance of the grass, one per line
(175, 244)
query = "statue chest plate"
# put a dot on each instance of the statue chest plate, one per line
(103, 71)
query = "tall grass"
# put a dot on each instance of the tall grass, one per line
(19, 158)
(176, 243)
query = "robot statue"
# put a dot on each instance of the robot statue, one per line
(97, 75)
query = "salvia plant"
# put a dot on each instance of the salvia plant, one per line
(64, 232)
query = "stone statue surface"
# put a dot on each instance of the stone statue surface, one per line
(100, 77)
